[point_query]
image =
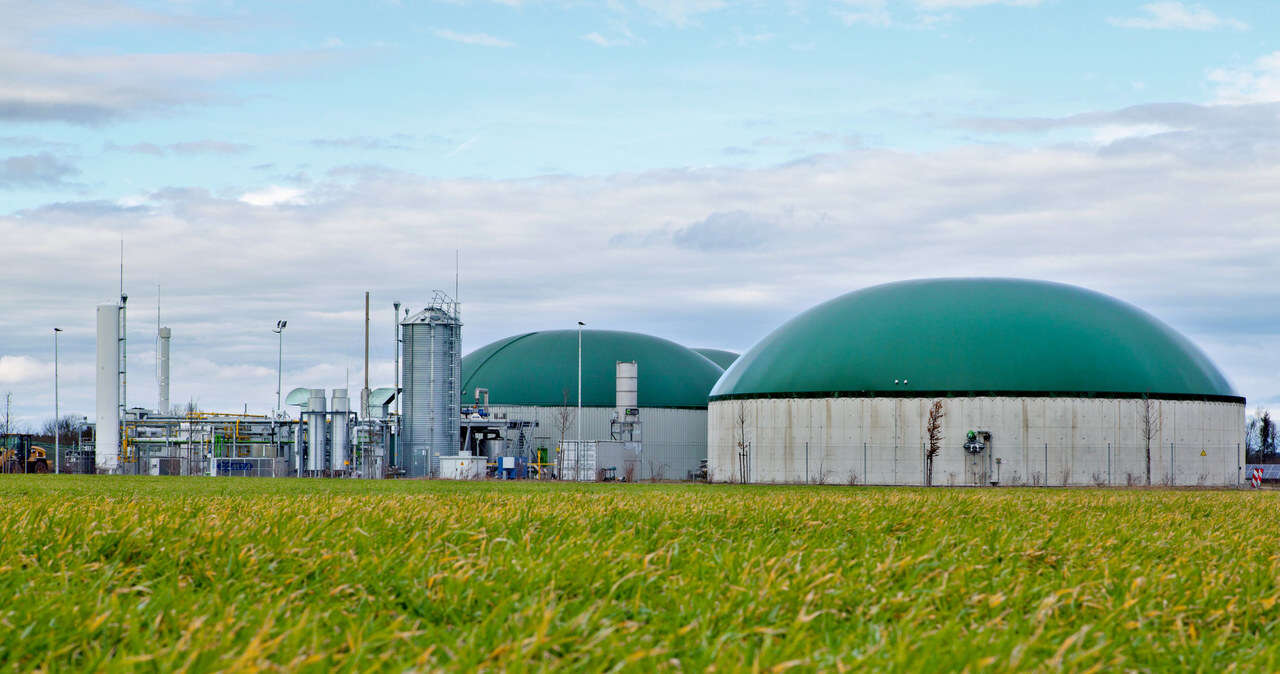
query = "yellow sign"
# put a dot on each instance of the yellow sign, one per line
(1202, 453)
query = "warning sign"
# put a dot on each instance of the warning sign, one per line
(1202, 453)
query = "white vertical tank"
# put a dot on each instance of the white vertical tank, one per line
(627, 395)
(107, 405)
(340, 440)
(315, 417)
(163, 400)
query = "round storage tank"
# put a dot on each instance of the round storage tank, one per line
(534, 377)
(1029, 383)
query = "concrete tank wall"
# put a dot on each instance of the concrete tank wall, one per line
(1039, 440)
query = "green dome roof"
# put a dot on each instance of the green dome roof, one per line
(538, 368)
(980, 336)
(719, 356)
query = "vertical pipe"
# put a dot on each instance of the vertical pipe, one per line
(806, 463)
(364, 393)
(1108, 464)
(57, 414)
(580, 324)
(395, 431)
(1046, 464)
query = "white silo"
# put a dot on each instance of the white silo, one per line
(107, 405)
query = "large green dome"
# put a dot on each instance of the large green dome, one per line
(940, 337)
(541, 368)
(718, 356)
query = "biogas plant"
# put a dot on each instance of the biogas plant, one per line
(961, 382)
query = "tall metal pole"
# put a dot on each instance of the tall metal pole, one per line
(57, 411)
(279, 330)
(364, 394)
(580, 324)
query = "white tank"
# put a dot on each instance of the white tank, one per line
(627, 396)
(107, 405)
(340, 440)
(315, 416)
(163, 404)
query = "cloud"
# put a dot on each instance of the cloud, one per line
(274, 195)
(733, 230)
(1172, 15)
(100, 88)
(681, 12)
(716, 255)
(1202, 134)
(184, 148)
(478, 39)
(35, 170)
(1257, 83)
(20, 369)
(397, 141)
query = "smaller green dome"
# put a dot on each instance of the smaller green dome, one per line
(541, 368)
(719, 356)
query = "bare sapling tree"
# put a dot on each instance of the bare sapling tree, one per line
(744, 447)
(564, 418)
(934, 430)
(1149, 421)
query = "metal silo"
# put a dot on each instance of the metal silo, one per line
(340, 438)
(315, 418)
(431, 376)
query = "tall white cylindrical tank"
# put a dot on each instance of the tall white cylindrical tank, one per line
(340, 440)
(627, 394)
(107, 405)
(163, 403)
(315, 417)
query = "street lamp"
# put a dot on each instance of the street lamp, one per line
(279, 330)
(57, 411)
(580, 324)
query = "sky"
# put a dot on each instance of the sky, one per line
(701, 170)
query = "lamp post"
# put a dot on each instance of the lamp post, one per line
(57, 434)
(580, 324)
(279, 330)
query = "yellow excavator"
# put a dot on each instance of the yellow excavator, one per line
(20, 454)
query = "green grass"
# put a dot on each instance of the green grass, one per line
(217, 573)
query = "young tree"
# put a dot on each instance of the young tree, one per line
(1149, 421)
(1266, 436)
(564, 418)
(744, 447)
(934, 429)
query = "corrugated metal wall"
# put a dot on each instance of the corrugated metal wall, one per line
(675, 440)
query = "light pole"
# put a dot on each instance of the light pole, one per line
(279, 330)
(580, 324)
(57, 411)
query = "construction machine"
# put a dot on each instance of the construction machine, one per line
(20, 454)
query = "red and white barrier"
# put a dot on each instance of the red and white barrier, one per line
(1256, 479)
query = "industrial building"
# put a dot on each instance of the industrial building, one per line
(1033, 383)
(533, 377)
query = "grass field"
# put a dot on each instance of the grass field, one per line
(217, 573)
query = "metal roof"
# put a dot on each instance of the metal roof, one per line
(541, 368)
(382, 396)
(719, 356)
(298, 396)
(979, 336)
